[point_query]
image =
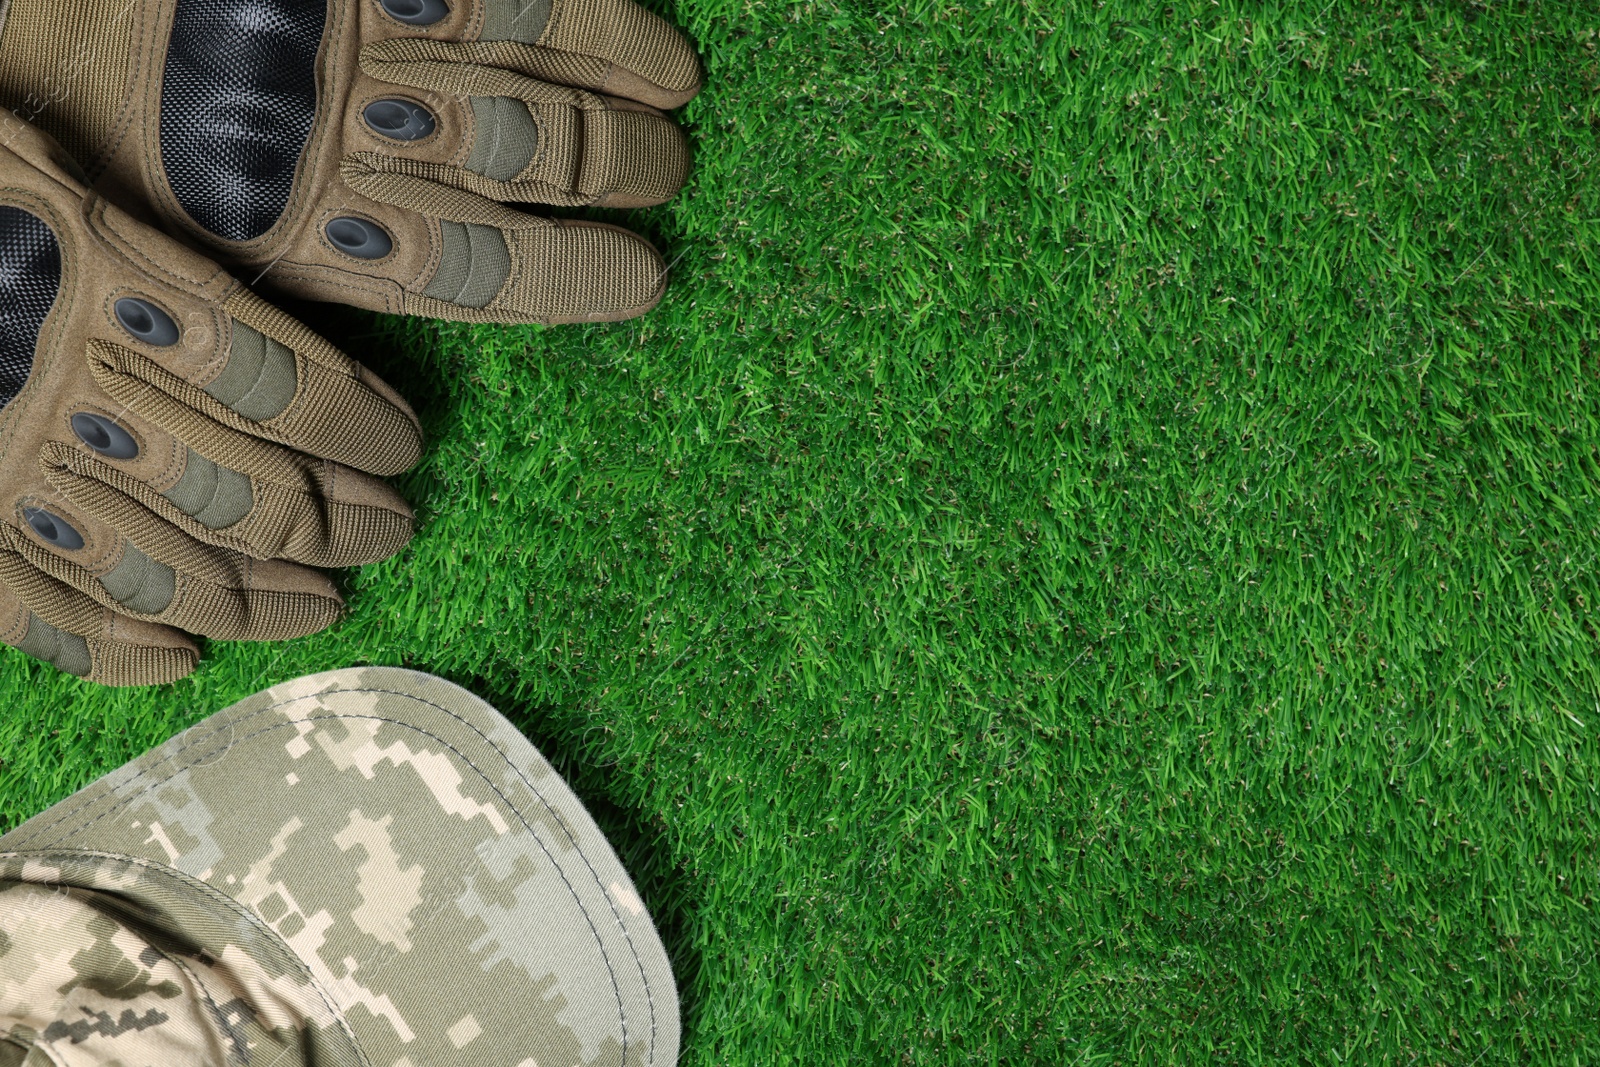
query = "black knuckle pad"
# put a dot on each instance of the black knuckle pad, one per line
(28, 290)
(238, 102)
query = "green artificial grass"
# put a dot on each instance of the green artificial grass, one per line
(1093, 562)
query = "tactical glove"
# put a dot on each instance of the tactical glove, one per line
(175, 453)
(364, 151)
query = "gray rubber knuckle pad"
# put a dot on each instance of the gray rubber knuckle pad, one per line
(146, 322)
(505, 140)
(103, 436)
(416, 12)
(64, 651)
(141, 584)
(515, 20)
(214, 496)
(260, 379)
(53, 529)
(473, 266)
(399, 119)
(359, 238)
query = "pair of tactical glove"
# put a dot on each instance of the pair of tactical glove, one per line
(176, 454)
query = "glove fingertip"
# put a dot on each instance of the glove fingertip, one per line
(403, 429)
(138, 654)
(651, 61)
(610, 274)
(121, 665)
(622, 82)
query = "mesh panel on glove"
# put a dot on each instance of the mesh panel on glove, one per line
(237, 106)
(30, 277)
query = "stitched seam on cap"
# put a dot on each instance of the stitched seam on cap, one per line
(611, 973)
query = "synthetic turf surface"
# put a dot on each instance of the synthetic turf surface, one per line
(1094, 561)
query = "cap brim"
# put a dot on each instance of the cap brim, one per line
(446, 893)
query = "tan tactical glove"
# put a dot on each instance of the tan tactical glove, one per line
(175, 453)
(364, 151)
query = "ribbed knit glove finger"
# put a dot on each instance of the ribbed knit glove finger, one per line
(70, 631)
(365, 151)
(173, 450)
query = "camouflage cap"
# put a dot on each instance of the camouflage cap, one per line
(369, 867)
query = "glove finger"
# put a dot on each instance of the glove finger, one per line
(170, 577)
(522, 140)
(496, 264)
(276, 380)
(613, 46)
(257, 499)
(55, 623)
(220, 484)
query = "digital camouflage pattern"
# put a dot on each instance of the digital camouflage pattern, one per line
(365, 867)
